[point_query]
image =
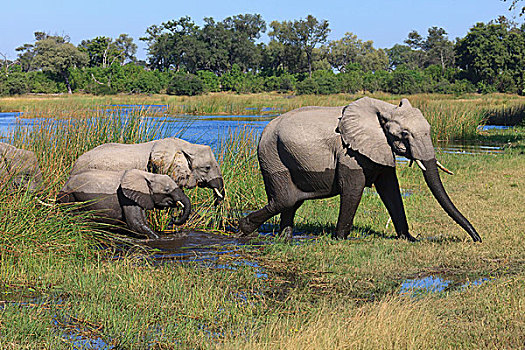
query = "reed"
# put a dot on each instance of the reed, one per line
(451, 117)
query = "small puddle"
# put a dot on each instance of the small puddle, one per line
(436, 284)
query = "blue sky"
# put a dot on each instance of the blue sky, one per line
(386, 22)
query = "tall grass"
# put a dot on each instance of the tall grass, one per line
(451, 117)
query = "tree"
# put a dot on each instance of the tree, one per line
(303, 35)
(403, 55)
(126, 48)
(434, 49)
(482, 52)
(351, 50)
(245, 29)
(56, 55)
(7, 63)
(514, 5)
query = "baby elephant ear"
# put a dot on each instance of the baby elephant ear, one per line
(361, 130)
(135, 186)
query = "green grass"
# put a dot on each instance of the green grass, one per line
(58, 274)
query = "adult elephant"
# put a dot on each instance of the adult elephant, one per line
(122, 197)
(188, 164)
(19, 168)
(319, 152)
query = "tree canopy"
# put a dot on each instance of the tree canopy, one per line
(228, 55)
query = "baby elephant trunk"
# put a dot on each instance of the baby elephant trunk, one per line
(182, 200)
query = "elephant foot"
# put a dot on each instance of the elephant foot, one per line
(246, 227)
(340, 235)
(407, 236)
(286, 233)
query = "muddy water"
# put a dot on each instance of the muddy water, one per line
(196, 245)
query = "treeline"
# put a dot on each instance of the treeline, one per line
(186, 59)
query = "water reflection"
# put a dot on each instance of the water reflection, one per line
(211, 129)
(435, 284)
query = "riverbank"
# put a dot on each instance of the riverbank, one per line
(63, 282)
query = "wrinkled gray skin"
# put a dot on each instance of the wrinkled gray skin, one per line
(19, 167)
(319, 152)
(120, 197)
(187, 164)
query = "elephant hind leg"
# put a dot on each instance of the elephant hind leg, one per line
(287, 218)
(283, 196)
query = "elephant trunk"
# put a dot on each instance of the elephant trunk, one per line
(436, 187)
(181, 197)
(217, 185)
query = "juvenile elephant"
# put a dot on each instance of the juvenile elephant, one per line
(187, 164)
(319, 152)
(120, 197)
(19, 167)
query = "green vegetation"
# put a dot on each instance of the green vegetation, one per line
(452, 117)
(186, 59)
(61, 277)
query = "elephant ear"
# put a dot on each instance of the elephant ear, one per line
(361, 130)
(161, 156)
(136, 186)
(179, 169)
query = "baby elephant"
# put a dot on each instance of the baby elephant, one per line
(19, 168)
(124, 196)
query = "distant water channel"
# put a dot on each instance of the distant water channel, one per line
(209, 130)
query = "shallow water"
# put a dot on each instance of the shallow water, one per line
(436, 284)
(212, 129)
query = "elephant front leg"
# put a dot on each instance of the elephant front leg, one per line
(387, 187)
(135, 218)
(351, 185)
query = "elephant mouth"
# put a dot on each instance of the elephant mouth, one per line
(217, 185)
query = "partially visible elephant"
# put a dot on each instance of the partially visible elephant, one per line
(122, 197)
(187, 164)
(319, 152)
(19, 167)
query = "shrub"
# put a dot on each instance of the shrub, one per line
(327, 82)
(307, 87)
(210, 80)
(351, 81)
(185, 84)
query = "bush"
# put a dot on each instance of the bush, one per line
(327, 82)
(233, 80)
(210, 80)
(185, 84)
(376, 81)
(17, 84)
(351, 81)
(146, 81)
(307, 87)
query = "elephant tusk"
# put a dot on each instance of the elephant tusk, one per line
(218, 193)
(418, 162)
(411, 162)
(181, 204)
(440, 166)
(43, 203)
